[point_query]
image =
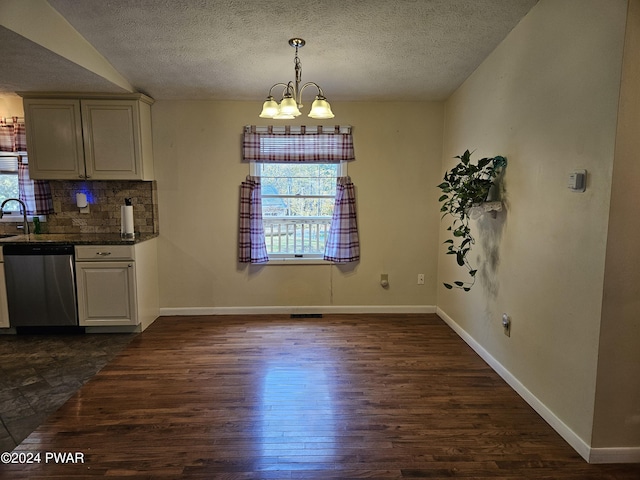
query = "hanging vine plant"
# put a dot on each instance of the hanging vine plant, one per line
(464, 186)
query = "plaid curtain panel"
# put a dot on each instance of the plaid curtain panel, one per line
(7, 138)
(36, 194)
(303, 144)
(343, 244)
(252, 247)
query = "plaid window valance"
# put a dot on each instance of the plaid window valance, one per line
(297, 144)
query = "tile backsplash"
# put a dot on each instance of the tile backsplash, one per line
(105, 199)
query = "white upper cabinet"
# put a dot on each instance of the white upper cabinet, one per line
(94, 138)
(54, 139)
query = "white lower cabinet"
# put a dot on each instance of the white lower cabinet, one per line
(106, 293)
(4, 308)
(117, 285)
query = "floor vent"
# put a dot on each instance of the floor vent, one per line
(306, 315)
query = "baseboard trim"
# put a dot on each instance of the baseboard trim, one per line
(615, 455)
(288, 310)
(577, 443)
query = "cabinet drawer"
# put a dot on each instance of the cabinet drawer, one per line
(104, 252)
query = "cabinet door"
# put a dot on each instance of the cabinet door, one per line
(54, 139)
(4, 309)
(111, 139)
(106, 293)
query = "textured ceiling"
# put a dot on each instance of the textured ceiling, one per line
(27, 66)
(236, 49)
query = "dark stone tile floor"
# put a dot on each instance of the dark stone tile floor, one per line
(39, 373)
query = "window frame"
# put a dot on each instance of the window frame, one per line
(299, 259)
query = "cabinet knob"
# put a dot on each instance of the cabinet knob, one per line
(130, 265)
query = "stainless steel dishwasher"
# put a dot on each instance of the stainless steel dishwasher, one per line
(41, 289)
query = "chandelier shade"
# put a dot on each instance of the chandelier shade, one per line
(270, 108)
(288, 106)
(320, 108)
(291, 102)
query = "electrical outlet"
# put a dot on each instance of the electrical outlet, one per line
(506, 324)
(421, 279)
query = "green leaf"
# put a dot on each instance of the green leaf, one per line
(443, 197)
(448, 241)
(444, 185)
(483, 162)
(447, 286)
(466, 289)
(473, 272)
(460, 284)
(460, 259)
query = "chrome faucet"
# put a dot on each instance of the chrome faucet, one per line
(24, 212)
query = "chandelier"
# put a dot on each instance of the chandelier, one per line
(292, 95)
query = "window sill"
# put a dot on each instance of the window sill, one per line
(15, 217)
(298, 261)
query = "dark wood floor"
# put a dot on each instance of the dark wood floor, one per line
(269, 397)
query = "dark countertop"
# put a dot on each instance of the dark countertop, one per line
(76, 239)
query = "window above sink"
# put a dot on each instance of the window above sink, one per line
(9, 178)
(9, 187)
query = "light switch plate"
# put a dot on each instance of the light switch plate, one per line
(578, 181)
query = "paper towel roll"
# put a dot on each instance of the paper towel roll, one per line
(126, 228)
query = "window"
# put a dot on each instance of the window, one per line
(9, 186)
(297, 206)
(308, 207)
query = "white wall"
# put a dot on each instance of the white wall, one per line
(197, 153)
(11, 106)
(546, 99)
(617, 414)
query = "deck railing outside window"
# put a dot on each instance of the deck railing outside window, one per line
(296, 235)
